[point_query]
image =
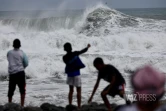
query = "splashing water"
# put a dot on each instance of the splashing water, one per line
(122, 40)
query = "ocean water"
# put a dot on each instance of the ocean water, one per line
(151, 13)
(125, 38)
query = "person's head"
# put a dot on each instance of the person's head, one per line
(98, 63)
(16, 44)
(67, 47)
(148, 84)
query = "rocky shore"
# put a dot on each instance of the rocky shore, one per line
(50, 107)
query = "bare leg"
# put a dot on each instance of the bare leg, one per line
(22, 99)
(79, 97)
(70, 96)
(10, 99)
(106, 101)
(122, 95)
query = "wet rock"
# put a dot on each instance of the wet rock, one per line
(90, 106)
(50, 107)
(1, 108)
(12, 107)
(71, 108)
(32, 109)
(94, 107)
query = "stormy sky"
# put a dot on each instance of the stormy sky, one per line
(76, 4)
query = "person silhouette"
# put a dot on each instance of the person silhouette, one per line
(73, 66)
(18, 61)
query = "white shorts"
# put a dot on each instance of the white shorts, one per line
(74, 81)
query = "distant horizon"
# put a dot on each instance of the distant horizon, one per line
(80, 9)
(21, 5)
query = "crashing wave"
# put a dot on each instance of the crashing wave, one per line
(101, 20)
(41, 24)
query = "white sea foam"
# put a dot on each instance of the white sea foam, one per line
(125, 47)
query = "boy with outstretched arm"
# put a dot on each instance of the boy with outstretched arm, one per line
(72, 70)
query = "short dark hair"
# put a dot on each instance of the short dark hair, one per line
(16, 43)
(67, 47)
(98, 60)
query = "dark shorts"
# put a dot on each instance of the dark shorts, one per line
(115, 90)
(17, 79)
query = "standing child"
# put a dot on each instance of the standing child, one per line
(18, 61)
(73, 66)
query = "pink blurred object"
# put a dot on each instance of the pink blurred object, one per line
(148, 80)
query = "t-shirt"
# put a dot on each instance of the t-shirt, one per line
(18, 61)
(68, 58)
(108, 72)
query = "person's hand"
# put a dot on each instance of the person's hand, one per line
(90, 100)
(89, 45)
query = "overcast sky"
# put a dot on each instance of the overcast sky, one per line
(76, 4)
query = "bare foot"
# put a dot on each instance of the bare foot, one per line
(110, 110)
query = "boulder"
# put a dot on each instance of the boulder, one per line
(50, 107)
(12, 107)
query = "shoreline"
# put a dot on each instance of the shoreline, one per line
(94, 106)
(50, 107)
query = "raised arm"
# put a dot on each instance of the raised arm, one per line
(94, 89)
(83, 50)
